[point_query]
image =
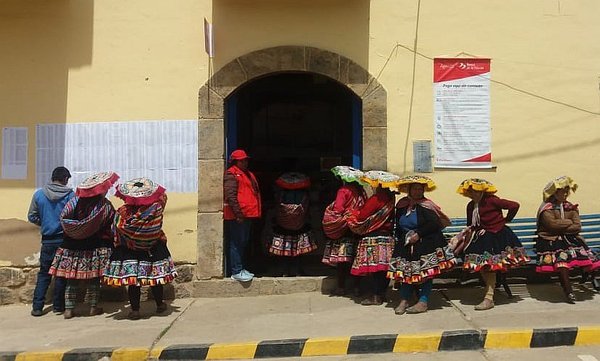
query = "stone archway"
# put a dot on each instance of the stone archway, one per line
(211, 129)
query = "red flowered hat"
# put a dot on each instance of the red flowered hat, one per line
(96, 184)
(140, 191)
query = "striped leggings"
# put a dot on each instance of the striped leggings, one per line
(92, 294)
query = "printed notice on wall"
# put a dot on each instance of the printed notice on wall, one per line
(462, 113)
(164, 151)
(14, 153)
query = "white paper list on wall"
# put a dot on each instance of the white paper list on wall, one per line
(165, 151)
(14, 152)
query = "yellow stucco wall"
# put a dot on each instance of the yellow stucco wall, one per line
(110, 60)
(534, 46)
(84, 61)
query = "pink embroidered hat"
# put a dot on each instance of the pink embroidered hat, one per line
(140, 191)
(96, 184)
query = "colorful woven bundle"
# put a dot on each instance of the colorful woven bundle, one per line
(371, 223)
(291, 216)
(140, 227)
(89, 225)
(335, 224)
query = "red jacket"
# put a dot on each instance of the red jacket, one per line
(490, 212)
(241, 195)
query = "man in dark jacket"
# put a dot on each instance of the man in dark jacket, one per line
(241, 204)
(46, 205)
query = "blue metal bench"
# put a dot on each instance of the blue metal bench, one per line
(525, 228)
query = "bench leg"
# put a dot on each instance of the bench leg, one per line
(501, 280)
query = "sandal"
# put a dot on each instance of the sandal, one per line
(68, 313)
(419, 307)
(401, 308)
(95, 311)
(372, 301)
(486, 304)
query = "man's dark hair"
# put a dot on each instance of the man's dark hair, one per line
(60, 174)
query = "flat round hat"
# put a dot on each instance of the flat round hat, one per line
(96, 184)
(140, 191)
(376, 178)
(556, 184)
(293, 180)
(348, 174)
(476, 184)
(406, 181)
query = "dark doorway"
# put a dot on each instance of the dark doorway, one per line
(301, 122)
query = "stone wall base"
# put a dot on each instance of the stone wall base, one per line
(17, 285)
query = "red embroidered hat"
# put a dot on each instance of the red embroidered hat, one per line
(238, 154)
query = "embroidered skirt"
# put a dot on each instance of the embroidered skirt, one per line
(80, 264)
(373, 254)
(495, 252)
(566, 252)
(140, 268)
(422, 268)
(339, 251)
(291, 243)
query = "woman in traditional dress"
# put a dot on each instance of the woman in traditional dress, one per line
(559, 245)
(291, 231)
(421, 252)
(494, 246)
(374, 221)
(340, 249)
(83, 256)
(141, 257)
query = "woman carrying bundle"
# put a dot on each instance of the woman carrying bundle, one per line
(291, 232)
(141, 257)
(374, 221)
(83, 256)
(340, 249)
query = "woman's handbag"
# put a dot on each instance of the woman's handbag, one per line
(461, 240)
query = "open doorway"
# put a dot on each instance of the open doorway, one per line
(293, 121)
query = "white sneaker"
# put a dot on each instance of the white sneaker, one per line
(247, 273)
(241, 277)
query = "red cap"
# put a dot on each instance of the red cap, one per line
(238, 154)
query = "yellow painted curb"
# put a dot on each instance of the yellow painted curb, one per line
(588, 335)
(129, 354)
(423, 342)
(326, 346)
(515, 338)
(224, 351)
(155, 352)
(54, 355)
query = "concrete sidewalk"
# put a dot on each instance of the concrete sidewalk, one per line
(305, 324)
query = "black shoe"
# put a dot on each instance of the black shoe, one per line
(37, 313)
(161, 308)
(571, 298)
(58, 311)
(596, 284)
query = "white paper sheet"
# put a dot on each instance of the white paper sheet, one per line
(14, 153)
(165, 151)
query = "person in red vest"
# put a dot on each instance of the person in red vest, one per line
(241, 205)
